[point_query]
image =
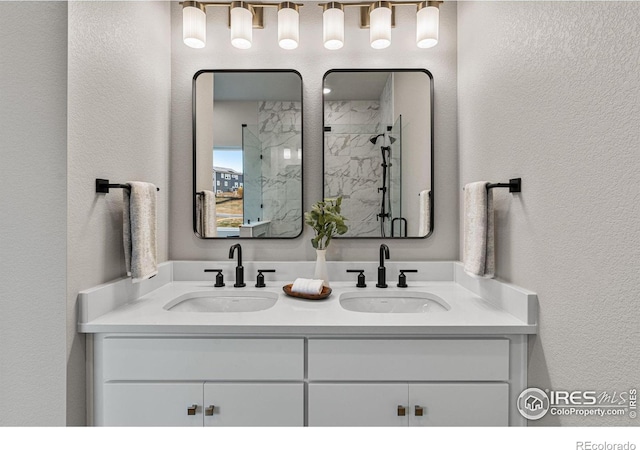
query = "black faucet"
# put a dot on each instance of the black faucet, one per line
(382, 270)
(239, 269)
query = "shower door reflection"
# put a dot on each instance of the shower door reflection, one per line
(397, 223)
(252, 168)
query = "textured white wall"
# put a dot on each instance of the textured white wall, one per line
(550, 91)
(119, 105)
(33, 236)
(312, 61)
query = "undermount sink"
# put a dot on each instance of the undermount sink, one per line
(222, 302)
(393, 302)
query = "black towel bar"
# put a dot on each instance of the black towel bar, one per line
(514, 185)
(103, 186)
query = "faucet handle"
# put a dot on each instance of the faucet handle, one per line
(260, 277)
(219, 277)
(402, 278)
(361, 283)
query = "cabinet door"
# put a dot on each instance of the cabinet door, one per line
(254, 404)
(152, 404)
(459, 404)
(357, 405)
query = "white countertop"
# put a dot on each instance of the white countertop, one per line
(469, 314)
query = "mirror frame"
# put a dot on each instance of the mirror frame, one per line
(431, 92)
(193, 138)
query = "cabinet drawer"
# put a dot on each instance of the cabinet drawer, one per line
(202, 359)
(409, 359)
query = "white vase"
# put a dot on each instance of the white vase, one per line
(321, 267)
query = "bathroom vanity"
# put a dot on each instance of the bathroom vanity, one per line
(174, 350)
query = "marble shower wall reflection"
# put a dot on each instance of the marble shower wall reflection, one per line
(352, 164)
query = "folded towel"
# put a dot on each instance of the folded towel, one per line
(206, 223)
(478, 250)
(307, 286)
(424, 219)
(139, 230)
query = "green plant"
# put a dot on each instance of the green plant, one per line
(326, 221)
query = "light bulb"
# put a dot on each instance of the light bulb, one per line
(380, 24)
(241, 25)
(286, 153)
(288, 25)
(194, 24)
(427, 24)
(333, 26)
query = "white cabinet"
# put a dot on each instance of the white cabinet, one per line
(211, 404)
(412, 404)
(160, 380)
(429, 382)
(165, 381)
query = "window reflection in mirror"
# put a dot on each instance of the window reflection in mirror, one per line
(378, 150)
(247, 154)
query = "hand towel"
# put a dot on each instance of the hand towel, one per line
(206, 222)
(307, 286)
(424, 219)
(478, 250)
(139, 230)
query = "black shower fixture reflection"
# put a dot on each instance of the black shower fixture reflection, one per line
(385, 203)
(374, 139)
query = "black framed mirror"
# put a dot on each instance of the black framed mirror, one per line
(247, 154)
(378, 150)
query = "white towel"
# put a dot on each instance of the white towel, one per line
(139, 230)
(424, 220)
(307, 286)
(206, 222)
(479, 251)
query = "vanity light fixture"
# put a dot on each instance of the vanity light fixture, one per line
(378, 16)
(243, 17)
